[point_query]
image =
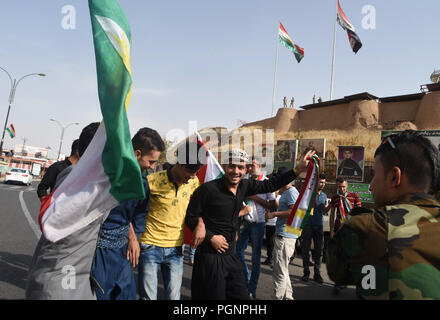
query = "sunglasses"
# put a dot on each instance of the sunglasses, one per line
(391, 140)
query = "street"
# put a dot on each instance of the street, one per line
(19, 234)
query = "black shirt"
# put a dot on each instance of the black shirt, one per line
(50, 177)
(219, 207)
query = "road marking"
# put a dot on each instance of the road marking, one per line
(28, 216)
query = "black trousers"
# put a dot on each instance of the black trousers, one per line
(316, 233)
(218, 276)
(270, 238)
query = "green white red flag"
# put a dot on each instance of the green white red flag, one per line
(305, 203)
(11, 131)
(107, 173)
(286, 41)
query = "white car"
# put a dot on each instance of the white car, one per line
(18, 175)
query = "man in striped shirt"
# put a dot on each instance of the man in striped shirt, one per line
(340, 206)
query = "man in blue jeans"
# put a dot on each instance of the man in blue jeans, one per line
(161, 243)
(314, 230)
(253, 227)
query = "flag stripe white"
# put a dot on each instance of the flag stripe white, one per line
(82, 197)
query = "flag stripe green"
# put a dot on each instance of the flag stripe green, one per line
(289, 45)
(114, 85)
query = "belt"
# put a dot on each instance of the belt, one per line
(113, 238)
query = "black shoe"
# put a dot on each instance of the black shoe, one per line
(252, 296)
(318, 278)
(305, 277)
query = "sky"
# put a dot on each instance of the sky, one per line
(208, 61)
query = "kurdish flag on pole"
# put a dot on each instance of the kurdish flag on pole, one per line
(108, 173)
(355, 41)
(303, 207)
(210, 171)
(11, 131)
(285, 40)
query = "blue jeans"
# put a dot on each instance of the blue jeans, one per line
(256, 232)
(170, 261)
(191, 251)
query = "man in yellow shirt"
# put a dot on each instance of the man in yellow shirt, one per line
(161, 243)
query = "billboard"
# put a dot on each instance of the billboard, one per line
(317, 144)
(351, 163)
(266, 152)
(361, 189)
(30, 151)
(285, 154)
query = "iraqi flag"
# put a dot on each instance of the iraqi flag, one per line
(286, 41)
(210, 171)
(355, 42)
(107, 173)
(305, 203)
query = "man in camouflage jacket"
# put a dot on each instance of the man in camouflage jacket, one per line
(393, 252)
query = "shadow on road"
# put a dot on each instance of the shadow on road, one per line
(14, 268)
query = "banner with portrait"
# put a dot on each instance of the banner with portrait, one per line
(285, 154)
(316, 144)
(266, 152)
(351, 160)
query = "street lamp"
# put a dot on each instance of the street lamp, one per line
(62, 133)
(14, 84)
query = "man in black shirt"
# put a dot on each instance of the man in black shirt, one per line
(49, 179)
(215, 205)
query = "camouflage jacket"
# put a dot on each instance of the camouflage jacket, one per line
(390, 253)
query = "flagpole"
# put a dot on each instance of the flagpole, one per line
(275, 73)
(334, 50)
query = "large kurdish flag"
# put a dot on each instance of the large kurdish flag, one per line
(286, 41)
(305, 203)
(108, 173)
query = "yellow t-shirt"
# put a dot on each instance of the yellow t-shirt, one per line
(165, 221)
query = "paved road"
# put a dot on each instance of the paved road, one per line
(19, 234)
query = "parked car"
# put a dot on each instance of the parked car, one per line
(18, 175)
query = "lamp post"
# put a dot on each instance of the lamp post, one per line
(14, 84)
(62, 133)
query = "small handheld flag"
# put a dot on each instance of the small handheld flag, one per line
(305, 203)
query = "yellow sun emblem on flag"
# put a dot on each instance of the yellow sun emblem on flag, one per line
(120, 42)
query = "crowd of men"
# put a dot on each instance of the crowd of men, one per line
(397, 240)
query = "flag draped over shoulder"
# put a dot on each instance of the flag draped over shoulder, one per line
(355, 42)
(286, 41)
(107, 173)
(305, 203)
(210, 171)
(11, 130)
